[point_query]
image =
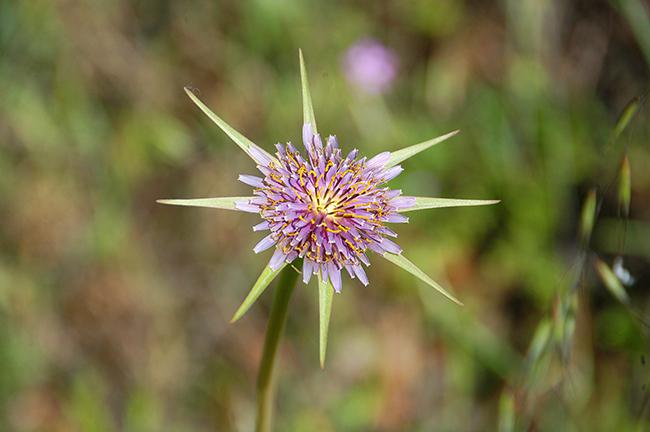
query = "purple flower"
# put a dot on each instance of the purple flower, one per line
(370, 66)
(326, 208)
(323, 207)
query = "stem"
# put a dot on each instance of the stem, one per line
(277, 318)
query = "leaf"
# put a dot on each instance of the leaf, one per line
(611, 282)
(239, 139)
(625, 186)
(226, 203)
(325, 293)
(422, 203)
(588, 215)
(401, 261)
(405, 153)
(262, 282)
(307, 106)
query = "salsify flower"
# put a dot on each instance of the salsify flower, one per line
(325, 207)
(370, 66)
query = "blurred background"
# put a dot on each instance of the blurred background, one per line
(114, 310)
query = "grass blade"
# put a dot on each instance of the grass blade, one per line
(611, 282)
(625, 186)
(626, 116)
(588, 216)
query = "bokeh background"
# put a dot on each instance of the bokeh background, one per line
(114, 310)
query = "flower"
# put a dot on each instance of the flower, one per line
(322, 207)
(370, 66)
(325, 208)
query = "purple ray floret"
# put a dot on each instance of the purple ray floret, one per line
(327, 209)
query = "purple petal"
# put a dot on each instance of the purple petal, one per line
(403, 202)
(390, 246)
(378, 161)
(307, 134)
(261, 226)
(260, 157)
(392, 173)
(277, 259)
(332, 142)
(335, 276)
(251, 180)
(264, 244)
(323, 272)
(247, 207)
(307, 270)
(395, 218)
(361, 274)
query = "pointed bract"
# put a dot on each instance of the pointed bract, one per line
(325, 294)
(307, 106)
(257, 153)
(401, 261)
(226, 203)
(260, 285)
(405, 153)
(422, 203)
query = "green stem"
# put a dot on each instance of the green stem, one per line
(277, 318)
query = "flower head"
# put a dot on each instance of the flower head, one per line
(324, 208)
(370, 66)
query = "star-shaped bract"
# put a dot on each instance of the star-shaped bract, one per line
(324, 208)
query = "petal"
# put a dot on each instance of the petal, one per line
(307, 270)
(395, 218)
(323, 272)
(391, 173)
(403, 202)
(277, 259)
(251, 180)
(264, 244)
(260, 156)
(247, 206)
(335, 276)
(390, 246)
(307, 139)
(361, 274)
(261, 226)
(378, 161)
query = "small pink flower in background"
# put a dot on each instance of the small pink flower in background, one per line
(370, 66)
